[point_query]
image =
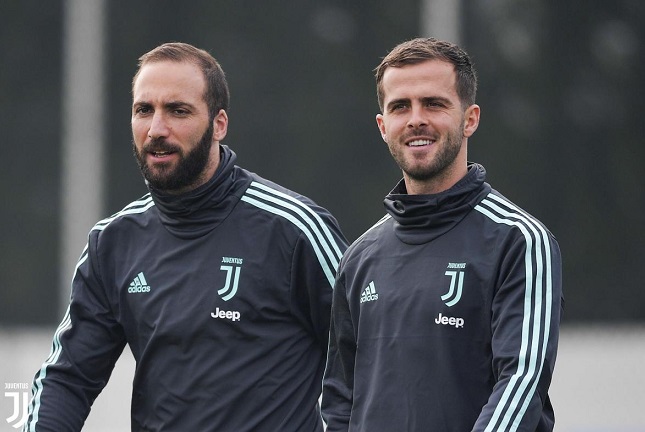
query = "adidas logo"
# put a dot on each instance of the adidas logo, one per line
(369, 293)
(139, 284)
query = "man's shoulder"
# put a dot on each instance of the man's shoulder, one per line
(260, 185)
(370, 239)
(282, 201)
(505, 214)
(136, 210)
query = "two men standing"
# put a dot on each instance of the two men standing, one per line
(445, 313)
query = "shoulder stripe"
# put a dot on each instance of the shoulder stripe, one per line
(302, 216)
(379, 222)
(537, 312)
(308, 209)
(139, 206)
(135, 207)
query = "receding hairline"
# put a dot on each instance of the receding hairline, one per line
(176, 52)
(154, 61)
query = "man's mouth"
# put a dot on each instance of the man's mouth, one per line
(420, 143)
(161, 150)
(161, 155)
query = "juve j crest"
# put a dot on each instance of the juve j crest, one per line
(456, 273)
(233, 268)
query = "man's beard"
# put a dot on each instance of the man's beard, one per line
(443, 158)
(187, 171)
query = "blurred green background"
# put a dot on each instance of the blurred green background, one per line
(561, 89)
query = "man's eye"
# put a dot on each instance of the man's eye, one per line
(435, 104)
(142, 110)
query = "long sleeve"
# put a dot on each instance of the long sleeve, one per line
(525, 324)
(85, 348)
(315, 262)
(338, 381)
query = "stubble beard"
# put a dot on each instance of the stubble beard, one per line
(445, 155)
(185, 173)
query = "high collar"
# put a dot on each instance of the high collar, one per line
(195, 213)
(422, 218)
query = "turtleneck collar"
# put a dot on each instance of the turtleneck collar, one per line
(197, 212)
(422, 218)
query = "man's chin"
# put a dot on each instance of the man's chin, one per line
(159, 179)
(169, 182)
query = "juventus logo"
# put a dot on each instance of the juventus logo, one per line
(19, 416)
(453, 295)
(232, 277)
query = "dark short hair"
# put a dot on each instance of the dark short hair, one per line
(422, 49)
(216, 94)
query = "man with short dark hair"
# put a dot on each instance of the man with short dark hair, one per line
(446, 312)
(218, 280)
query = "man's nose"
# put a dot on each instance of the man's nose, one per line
(158, 126)
(417, 117)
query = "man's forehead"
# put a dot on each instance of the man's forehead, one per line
(169, 76)
(434, 75)
(427, 69)
(170, 72)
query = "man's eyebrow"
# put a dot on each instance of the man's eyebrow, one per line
(168, 105)
(425, 100)
(441, 99)
(178, 104)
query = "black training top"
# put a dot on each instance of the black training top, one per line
(445, 317)
(223, 295)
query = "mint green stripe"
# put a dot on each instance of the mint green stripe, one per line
(542, 281)
(129, 209)
(379, 222)
(66, 323)
(34, 407)
(321, 259)
(531, 376)
(312, 215)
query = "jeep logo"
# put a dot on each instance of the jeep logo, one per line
(451, 321)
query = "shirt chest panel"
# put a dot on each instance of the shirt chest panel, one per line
(422, 291)
(226, 284)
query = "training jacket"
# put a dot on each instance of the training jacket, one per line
(223, 295)
(445, 317)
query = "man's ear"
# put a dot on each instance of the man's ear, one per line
(471, 120)
(220, 125)
(380, 122)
